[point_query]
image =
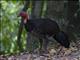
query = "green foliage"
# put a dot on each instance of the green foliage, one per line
(9, 25)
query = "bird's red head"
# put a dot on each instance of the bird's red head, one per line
(24, 16)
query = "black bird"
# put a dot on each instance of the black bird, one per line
(42, 27)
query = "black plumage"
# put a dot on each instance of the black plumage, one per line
(43, 27)
(63, 39)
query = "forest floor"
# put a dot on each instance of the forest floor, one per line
(72, 54)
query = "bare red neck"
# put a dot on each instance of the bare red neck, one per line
(24, 16)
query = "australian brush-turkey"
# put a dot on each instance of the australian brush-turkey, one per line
(43, 27)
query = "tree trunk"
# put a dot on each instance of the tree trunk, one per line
(36, 8)
(21, 27)
(72, 8)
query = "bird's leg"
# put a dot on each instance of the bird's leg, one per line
(29, 42)
(45, 45)
(41, 43)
